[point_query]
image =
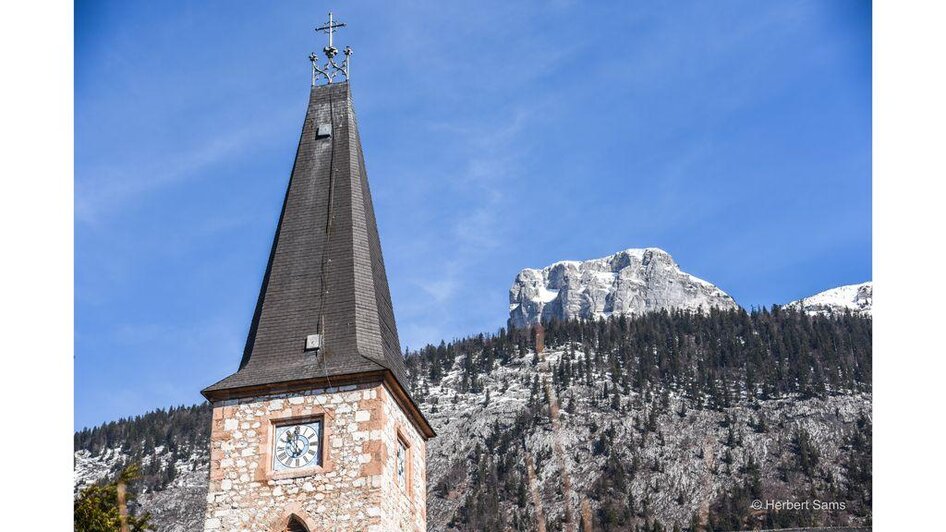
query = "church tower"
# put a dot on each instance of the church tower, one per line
(317, 430)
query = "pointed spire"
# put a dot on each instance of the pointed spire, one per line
(326, 273)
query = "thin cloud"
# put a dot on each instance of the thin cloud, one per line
(115, 188)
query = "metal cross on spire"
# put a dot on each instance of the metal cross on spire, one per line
(330, 27)
(330, 69)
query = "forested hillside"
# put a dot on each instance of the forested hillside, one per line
(714, 358)
(174, 434)
(668, 420)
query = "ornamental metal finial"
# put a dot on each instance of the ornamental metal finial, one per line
(330, 69)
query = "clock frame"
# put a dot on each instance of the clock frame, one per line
(297, 445)
(311, 453)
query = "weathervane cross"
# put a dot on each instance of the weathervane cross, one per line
(330, 27)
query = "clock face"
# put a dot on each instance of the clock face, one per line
(297, 446)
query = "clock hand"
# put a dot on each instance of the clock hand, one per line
(289, 442)
(295, 442)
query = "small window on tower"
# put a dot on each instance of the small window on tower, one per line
(401, 464)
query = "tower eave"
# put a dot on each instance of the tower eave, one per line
(222, 391)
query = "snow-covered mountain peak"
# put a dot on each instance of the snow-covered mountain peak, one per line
(858, 298)
(632, 281)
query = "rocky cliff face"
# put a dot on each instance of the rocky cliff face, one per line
(676, 459)
(857, 298)
(629, 282)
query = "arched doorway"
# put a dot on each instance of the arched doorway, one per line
(296, 525)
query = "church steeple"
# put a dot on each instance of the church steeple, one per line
(324, 312)
(316, 430)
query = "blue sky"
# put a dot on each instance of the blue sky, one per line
(734, 134)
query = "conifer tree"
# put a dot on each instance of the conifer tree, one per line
(98, 508)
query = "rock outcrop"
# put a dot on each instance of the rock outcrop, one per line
(629, 282)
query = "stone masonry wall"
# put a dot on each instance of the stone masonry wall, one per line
(356, 488)
(406, 510)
